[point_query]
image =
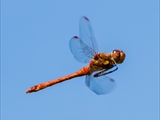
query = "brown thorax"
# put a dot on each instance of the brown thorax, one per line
(105, 61)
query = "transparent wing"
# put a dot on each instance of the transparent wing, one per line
(85, 47)
(86, 33)
(81, 51)
(100, 85)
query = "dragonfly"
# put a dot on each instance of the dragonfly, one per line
(84, 49)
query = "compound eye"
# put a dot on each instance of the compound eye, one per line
(115, 51)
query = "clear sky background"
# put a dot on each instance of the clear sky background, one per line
(34, 49)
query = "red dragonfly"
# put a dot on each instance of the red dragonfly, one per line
(85, 50)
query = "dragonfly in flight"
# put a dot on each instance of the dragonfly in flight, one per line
(84, 49)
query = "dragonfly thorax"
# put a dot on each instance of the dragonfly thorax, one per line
(101, 61)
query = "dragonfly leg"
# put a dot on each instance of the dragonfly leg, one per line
(104, 72)
(97, 74)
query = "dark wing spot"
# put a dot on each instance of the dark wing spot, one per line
(112, 80)
(86, 18)
(76, 37)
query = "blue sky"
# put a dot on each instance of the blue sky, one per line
(34, 49)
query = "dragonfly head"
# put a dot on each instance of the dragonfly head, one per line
(118, 56)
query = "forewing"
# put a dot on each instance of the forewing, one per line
(86, 33)
(100, 85)
(80, 51)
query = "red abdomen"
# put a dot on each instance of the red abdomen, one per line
(81, 72)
